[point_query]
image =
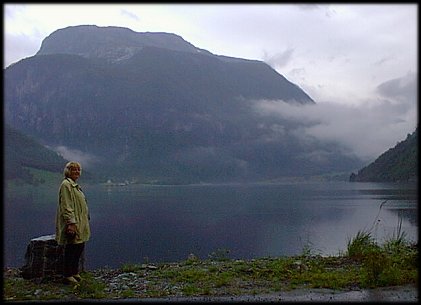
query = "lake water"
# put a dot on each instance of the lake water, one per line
(141, 223)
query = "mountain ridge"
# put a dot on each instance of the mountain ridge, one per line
(164, 113)
(397, 164)
(119, 43)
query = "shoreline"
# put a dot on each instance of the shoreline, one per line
(292, 279)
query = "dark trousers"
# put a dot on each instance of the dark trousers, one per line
(72, 254)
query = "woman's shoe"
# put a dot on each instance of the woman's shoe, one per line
(70, 280)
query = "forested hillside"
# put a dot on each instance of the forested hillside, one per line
(398, 164)
(21, 152)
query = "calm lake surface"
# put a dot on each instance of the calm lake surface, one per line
(143, 223)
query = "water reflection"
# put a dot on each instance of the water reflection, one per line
(410, 214)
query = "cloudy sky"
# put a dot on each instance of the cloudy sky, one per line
(357, 61)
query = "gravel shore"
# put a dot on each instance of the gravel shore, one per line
(389, 294)
(116, 280)
(407, 293)
(398, 294)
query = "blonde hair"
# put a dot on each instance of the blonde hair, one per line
(70, 165)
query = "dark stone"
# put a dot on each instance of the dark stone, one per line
(44, 259)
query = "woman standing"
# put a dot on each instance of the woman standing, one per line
(72, 222)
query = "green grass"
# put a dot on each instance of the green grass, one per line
(393, 263)
(365, 264)
(20, 289)
(41, 178)
(43, 190)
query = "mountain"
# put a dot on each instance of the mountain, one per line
(153, 106)
(398, 164)
(110, 43)
(22, 152)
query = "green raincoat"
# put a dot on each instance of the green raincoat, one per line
(72, 208)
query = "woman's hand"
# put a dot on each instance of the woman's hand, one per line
(71, 230)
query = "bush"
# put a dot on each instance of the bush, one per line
(391, 264)
(361, 245)
(374, 263)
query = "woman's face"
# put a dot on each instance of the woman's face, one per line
(74, 172)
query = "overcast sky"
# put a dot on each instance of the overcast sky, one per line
(357, 61)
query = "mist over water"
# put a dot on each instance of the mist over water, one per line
(140, 223)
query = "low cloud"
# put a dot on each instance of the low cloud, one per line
(278, 60)
(85, 159)
(400, 90)
(129, 14)
(384, 60)
(366, 130)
